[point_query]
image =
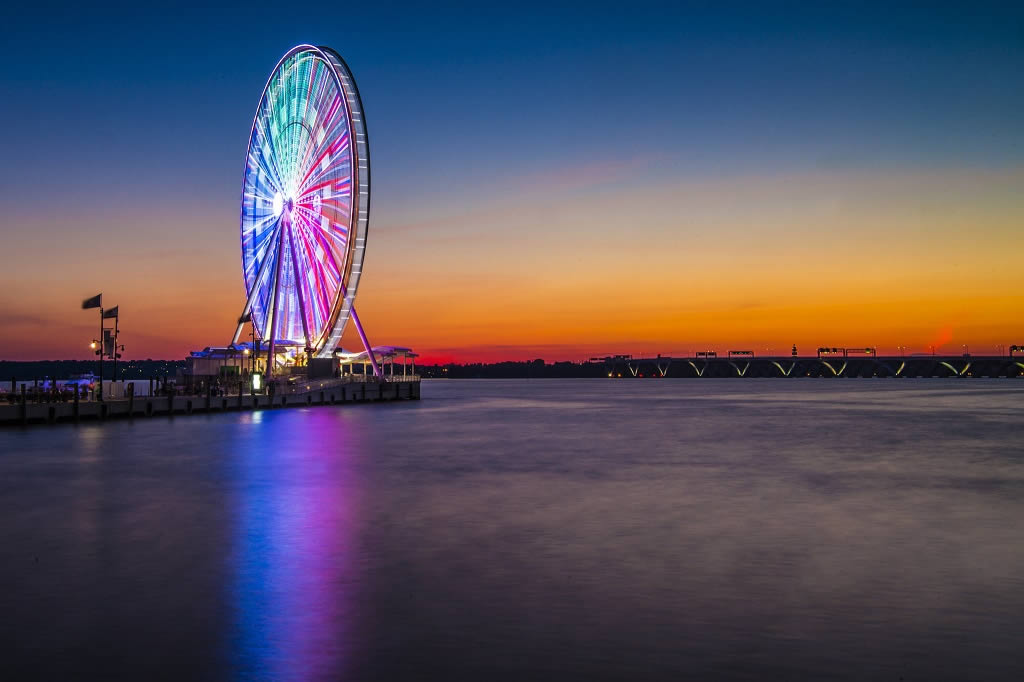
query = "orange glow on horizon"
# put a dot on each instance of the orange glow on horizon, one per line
(887, 260)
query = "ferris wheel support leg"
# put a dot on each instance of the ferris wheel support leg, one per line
(251, 299)
(238, 329)
(298, 292)
(366, 343)
(274, 302)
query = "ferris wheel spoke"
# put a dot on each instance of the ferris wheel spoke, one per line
(266, 145)
(315, 218)
(263, 176)
(314, 230)
(333, 186)
(319, 130)
(313, 80)
(326, 132)
(325, 284)
(260, 249)
(300, 284)
(267, 149)
(255, 233)
(260, 190)
(257, 292)
(268, 173)
(335, 161)
(338, 216)
(259, 252)
(322, 293)
(320, 276)
(331, 241)
(262, 197)
(336, 149)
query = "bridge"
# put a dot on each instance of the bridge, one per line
(842, 364)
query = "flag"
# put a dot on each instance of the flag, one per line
(94, 302)
(107, 314)
(245, 318)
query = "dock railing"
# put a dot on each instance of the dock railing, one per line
(31, 392)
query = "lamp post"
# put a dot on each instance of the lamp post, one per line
(116, 349)
(101, 343)
(97, 347)
(100, 353)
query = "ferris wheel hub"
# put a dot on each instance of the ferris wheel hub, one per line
(283, 204)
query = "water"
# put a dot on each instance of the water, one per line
(506, 530)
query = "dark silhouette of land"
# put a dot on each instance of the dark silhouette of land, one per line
(530, 369)
(911, 366)
(63, 369)
(152, 369)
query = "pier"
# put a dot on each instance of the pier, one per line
(43, 408)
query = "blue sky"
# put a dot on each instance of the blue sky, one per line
(470, 92)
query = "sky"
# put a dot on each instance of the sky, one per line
(552, 181)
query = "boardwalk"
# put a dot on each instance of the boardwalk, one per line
(330, 392)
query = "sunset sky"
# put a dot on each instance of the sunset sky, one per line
(548, 181)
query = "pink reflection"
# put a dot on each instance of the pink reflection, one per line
(295, 540)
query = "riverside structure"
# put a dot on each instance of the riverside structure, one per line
(829, 363)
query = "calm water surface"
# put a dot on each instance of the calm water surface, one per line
(558, 530)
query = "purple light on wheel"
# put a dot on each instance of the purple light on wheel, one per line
(305, 201)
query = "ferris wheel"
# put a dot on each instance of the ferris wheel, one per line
(305, 204)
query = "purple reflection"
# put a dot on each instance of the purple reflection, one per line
(295, 546)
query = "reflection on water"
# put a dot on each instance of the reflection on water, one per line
(528, 529)
(295, 534)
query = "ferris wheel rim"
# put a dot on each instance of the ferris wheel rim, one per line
(360, 215)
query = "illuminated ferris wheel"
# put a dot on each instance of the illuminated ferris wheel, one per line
(305, 204)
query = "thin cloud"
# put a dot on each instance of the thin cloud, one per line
(508, 195)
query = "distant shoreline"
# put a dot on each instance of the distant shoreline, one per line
(681, 368)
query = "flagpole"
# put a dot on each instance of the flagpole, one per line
(97, 302)
(102, 343)
(115, 345)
